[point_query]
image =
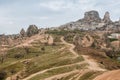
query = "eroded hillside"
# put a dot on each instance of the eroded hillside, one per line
(75, 51)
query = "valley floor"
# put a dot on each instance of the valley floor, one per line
(55, 62)
(91, 67)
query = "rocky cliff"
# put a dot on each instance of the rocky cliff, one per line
(32, 30)
(92, 21)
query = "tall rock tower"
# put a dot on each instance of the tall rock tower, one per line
(23, 33)
(106, 18)
(92, 16)
(32, 30)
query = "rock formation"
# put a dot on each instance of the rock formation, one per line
(22, 32)
(92, 21)
(119, 21)
(106, 18)
(50, 40)
(92, 16)
(85, 41)
(32, 30)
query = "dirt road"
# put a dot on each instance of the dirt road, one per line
(92, 65)
(51, 69)
(71, 49)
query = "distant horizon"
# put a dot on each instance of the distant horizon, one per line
(16, 15)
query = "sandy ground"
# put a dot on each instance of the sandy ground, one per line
(92, 64)
(110, 75)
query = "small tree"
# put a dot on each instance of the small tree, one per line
(26, 50)
(3, 75)
(43, 49)
(2, 59)
(18, 55)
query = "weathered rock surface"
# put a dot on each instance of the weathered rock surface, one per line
(50, 40)
(92, 21)
(85, 41)
(91, 16)
(32, 30)
(106, 18)
(22, 32)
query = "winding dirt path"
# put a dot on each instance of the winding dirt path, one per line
(30, 40)
(81, 73)
(59, 76)
(92, 64)
(38, 73)
(71, 49)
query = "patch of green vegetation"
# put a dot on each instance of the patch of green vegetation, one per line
(51, 60)
(63, 32)
(69, 38)
(68, 77)
(89, 75)
(56, 38)
(13, 68)
(112, 39)
(18, 54)
(61, 70)
(56, 32)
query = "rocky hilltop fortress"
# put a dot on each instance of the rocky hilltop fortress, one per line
(92, 21)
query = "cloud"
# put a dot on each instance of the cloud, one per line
(56, 5)
(17, 14)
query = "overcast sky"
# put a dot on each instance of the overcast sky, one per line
(17, 14)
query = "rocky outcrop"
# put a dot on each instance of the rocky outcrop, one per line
(50, 40)
(119, 21)
(10, 41)
(106, 18)
(32, 30)
(77, 40)
(91, 16)
(85, 41)
(92, 21)
(23, 33)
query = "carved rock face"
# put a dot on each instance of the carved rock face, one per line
(92, 16)
(32, 30)
(106, 18)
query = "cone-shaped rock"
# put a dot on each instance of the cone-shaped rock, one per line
(106, 18)
(22, 32)
(32, 30)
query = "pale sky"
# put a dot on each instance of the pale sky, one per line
(17, 14)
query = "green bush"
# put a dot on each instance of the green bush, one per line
(3, 75)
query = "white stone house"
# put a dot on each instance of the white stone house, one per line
(115, 35)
